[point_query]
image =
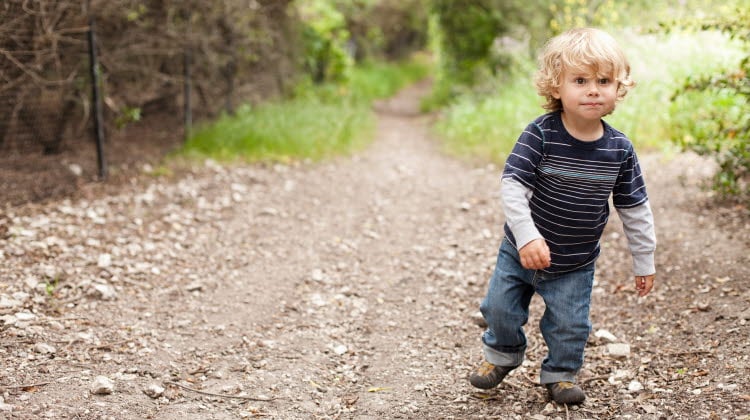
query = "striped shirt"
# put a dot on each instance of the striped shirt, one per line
(571, 182)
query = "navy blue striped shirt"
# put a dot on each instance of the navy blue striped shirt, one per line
(571, 181)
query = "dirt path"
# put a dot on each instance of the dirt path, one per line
(348, 289)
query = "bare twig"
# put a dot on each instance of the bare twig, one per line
(109, 346)
(211, 394)
(595, 378)
(690, 353)
(7, 387)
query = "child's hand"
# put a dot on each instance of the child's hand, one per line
(535, 255)
(644, 284)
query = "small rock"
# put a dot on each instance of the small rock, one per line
(269, 211)
(25, 316)
(104, 261)
(606, 335)
(102, 386)
(7, 408)
(154, 391)
(75, 169)
(618, 350)
(728, 387)
(549, 409)
(317, 275)
(44, 348)
(104, 292)
(8, 320)
(194, 287)
(478, 319)
(6, 302)
(635, 386)
(340, 349)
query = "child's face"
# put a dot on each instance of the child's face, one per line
(586, 95)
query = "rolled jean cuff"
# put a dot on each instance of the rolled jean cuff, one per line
(502, 359)
(547, 377)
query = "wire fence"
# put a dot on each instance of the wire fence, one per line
(73, 73)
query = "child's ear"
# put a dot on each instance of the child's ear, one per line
(556, 93)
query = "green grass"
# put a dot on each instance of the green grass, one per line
(300, 128)
(319, 122)
(486, 127)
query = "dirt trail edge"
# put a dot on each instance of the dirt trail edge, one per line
(349, 289)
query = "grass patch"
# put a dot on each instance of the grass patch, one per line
(487, 126)
(300, 128)
(319, 122)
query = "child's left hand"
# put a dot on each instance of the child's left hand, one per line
(644, 284)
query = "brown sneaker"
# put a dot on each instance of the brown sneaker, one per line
(566, 393)
(488, 376)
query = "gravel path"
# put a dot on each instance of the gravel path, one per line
(349, 289)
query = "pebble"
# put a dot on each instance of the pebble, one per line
(6, 302)
(549, 409)
(25, 316)
(104, 292)
(154, 390)
(44, 348)
(618, 350)
(478, 319)
(635, 386)
(102, 386)
(606, 335)
(104, 261)
(5, 407)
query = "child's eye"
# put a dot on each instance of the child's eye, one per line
(604, 81)
(580, 81)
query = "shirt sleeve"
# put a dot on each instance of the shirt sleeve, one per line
(638, 225)
(517, 212)
(630, 189)
(518, 183)
(523, 160)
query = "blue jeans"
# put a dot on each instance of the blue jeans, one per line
(565, 324)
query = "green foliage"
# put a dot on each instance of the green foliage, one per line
(658, 71)
(324, 37)
(467, 31)
(486, 127)
(469, 40)
(321, 121)
(300, 128)
(374, 79)
(711, 113)
(575, 14)
(462, 35)
(51, 286)
(126, 116)
(389, 29)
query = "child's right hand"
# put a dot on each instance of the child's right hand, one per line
(535, 255)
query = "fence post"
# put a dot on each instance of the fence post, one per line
(187, 62)
(96, 94)
(188, 106)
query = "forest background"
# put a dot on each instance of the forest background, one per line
(270, 80)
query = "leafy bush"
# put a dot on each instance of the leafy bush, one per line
(324, 36)
(711, 114)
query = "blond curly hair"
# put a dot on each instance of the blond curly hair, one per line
(588, 49)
